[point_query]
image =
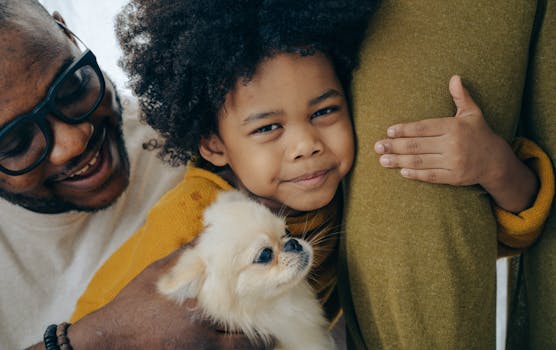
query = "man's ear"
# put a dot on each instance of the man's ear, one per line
(58, 18)
(213, 150)
(185, 279)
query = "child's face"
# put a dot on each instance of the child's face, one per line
(287, 133)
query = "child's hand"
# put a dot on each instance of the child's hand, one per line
(460, 150)
(455, 150)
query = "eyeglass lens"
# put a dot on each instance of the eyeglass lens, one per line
(75, 97)
(78, 93)
(22, 146)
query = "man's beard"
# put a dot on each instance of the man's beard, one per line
(52, 205)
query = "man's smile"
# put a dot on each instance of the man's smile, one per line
(96, 166)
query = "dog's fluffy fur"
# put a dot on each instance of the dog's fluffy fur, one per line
(247, 275)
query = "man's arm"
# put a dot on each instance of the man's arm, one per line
(141, 318)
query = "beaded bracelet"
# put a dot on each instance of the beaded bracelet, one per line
(50, 339)
(62, 335)
(55, 337)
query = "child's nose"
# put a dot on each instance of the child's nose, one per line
(305, 143)
(70, 140)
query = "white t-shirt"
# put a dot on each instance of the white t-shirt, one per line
(46, 261)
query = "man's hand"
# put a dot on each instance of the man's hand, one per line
(141, 318)
(460, 150)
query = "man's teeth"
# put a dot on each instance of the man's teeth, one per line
(91, 163)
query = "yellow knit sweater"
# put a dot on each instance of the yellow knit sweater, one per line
(177, 218)
(519, 231)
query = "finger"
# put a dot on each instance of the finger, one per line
(421, 128)
(438, 176)
(461, 97)
(421, 161)
(411, 145)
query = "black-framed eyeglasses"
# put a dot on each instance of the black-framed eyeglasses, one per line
(72, 97)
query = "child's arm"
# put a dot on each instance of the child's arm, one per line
(460, 150)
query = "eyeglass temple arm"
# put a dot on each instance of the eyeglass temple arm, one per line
(65, 28)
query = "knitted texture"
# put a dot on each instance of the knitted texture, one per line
(522, 229)
(177, 218)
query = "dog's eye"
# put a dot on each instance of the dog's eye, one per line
(265, 256)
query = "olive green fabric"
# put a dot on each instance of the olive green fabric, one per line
(422, 257)
(540, 124)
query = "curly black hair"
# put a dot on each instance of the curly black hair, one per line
(184, 56)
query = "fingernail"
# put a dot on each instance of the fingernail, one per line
(405, 172)
(379, 147)
(385, 160)
(391, 132)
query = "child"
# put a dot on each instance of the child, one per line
(254, 96)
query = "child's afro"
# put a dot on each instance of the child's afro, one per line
(184, 56)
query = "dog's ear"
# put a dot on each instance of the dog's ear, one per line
(185, 279)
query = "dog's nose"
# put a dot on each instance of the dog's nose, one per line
(292, 245)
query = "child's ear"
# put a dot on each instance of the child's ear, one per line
(185, 279)
(213, 150)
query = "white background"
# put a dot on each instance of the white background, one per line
(93, 22)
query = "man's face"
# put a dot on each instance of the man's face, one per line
(287, 133)
(87, 167)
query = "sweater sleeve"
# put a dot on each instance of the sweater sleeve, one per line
(175, 220)
(518, 231)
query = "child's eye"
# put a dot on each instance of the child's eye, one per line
(324, 111)
(266, 128)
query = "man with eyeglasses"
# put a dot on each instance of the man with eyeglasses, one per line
(62, 160)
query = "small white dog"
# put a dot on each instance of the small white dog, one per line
(247, 275)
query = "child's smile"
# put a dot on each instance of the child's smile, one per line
(313, 180)
(286, 134)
